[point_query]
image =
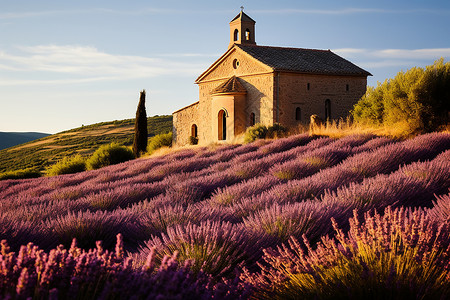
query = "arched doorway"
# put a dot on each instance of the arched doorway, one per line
(222, 125)
(327, 109)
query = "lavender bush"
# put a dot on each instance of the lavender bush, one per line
(216, 248)
(220, 206)
(102, 274)
(398, 255)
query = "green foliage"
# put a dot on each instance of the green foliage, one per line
(259, 131)
(193, 140)
(20, 174)
(109, 155)
(67, 165)
(140, 127)
(420, 97)
(370, 108)
(276, 131)
(159, 141)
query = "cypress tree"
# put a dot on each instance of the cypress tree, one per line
(140, 127)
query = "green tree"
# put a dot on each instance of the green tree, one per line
(140, 127)
(433, 93)
(420, 97)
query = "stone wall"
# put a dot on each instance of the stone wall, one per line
(309, 93)
(183, 120)
(271, 96)
(254, 76)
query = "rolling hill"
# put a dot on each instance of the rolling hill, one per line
(10, 139)
(39, 154)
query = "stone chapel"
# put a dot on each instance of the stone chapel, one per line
(252, 84)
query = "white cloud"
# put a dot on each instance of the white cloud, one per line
(381, 58)
(77, 64)
(350, 10)
(414, 54)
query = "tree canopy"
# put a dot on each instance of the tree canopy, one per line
(420, 97)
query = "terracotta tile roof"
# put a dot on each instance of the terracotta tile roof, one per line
(232, 85)
(303, 60)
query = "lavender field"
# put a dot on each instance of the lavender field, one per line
(295, 218)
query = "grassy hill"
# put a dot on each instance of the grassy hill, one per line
(383, 203)
(84, 140)
(10, 139)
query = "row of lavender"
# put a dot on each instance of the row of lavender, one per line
(402, 254)
(223, 207)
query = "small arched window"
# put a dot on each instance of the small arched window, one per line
(194, 130)
(327, 109)
(236, 35)
(247, 34)
(252, 119)
(298, 114)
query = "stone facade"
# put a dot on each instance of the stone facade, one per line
(280, 85)
(309, 93)
(183, 122)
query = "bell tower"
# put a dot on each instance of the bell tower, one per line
(242, 30)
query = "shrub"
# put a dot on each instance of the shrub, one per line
(216, 248)
(255, 132)
(75, 273)
(67, 165)
(159, 141)
(88, 227)
(260, 131)
(398, 255)
(20, 174)
(276, 131)
(193, 140)
(109, 155)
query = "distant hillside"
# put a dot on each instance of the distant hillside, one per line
(10, 139)
(39, 154)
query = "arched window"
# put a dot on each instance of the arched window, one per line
(298, 114)
(236, 35)
(222, 125)
(252, 119)
(247, 34)
(327, 109)
(194, 132)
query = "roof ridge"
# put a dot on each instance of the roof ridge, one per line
(303, 60)
(281, 47)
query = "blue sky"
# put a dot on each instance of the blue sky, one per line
(68, 63)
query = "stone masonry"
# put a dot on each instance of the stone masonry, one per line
(284, 85)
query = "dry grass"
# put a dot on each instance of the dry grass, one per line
(339, 129)
(334, 129)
